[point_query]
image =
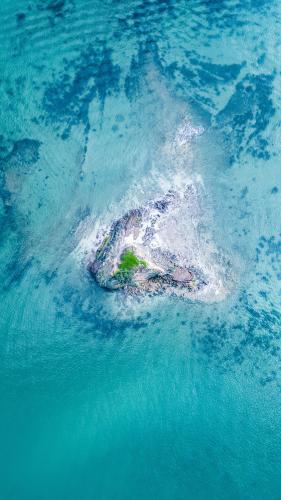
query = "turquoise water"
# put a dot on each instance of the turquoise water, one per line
(108, 398)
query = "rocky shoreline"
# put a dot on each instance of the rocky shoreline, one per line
(134, 258)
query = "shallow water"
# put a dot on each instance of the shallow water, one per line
(104, 397)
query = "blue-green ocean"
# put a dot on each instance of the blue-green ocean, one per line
(157, 398)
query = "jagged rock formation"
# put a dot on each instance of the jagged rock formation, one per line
(145, 251)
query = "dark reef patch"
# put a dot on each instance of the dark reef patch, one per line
(14, 165)
(67, 100)
(197, 80)
(200, 81)
(148, 52)
(89, 308)
(270, 249)
(252, 331)
(24, 153)
(246, 116)
(255, 335)
(6, 146)
(15, 263)
(56, 8)
(20, 17)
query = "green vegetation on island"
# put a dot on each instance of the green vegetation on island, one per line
(128, 262)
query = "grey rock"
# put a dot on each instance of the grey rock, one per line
(127, 259)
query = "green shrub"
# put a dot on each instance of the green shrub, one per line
(128, 262)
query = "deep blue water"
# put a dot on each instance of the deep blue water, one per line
(161, 398)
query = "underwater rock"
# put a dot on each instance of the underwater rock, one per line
(149, 250)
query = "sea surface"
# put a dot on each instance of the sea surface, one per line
(104, 397)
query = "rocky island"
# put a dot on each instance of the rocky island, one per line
(157, 249)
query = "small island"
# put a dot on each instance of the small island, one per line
(148, 250)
